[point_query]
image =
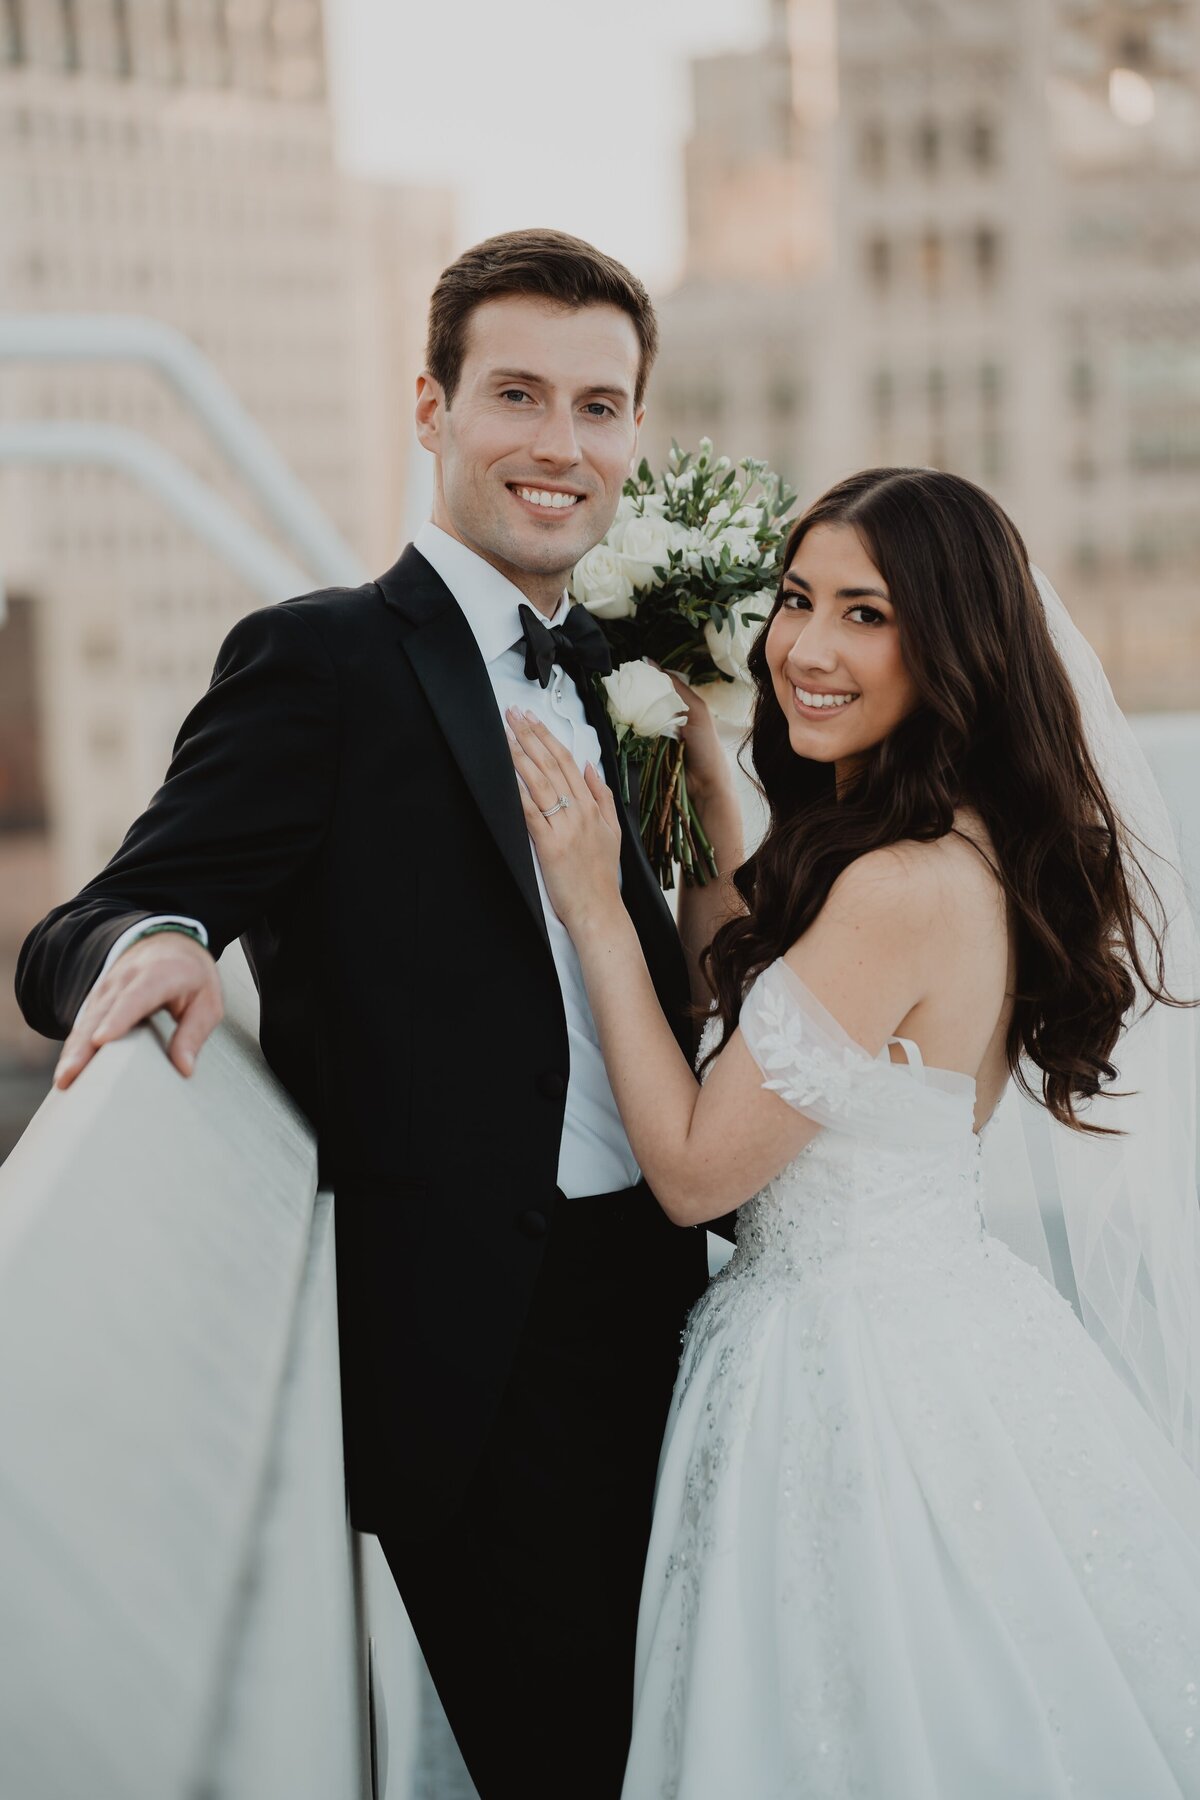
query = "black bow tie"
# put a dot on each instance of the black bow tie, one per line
(578, 645)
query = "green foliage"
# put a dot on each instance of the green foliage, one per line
(707, 579)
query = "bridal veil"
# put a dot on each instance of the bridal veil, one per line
(1115, 1221)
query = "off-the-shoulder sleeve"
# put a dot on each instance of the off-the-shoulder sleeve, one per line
(809, 1060)
(804, 1054)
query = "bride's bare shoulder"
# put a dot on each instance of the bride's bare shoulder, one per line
(950, 879)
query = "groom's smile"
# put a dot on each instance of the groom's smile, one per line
(534, 444)
(550, 504)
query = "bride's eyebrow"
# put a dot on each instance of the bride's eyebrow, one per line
(848, 593)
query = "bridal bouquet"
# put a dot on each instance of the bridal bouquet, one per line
(683, 580)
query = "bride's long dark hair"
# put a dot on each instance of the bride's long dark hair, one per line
(997, 728)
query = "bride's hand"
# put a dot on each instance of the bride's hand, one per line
(707, 765)
(579, 846)
(710, 781)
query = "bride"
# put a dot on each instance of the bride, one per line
(915, 1538)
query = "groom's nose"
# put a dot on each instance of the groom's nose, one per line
(555, 441)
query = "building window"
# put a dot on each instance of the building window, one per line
(985, 253)
(879, 263)
(11, 26)
(1082, 383)
(982, 143)
(123, 40)
(932, 260)
(927, 143)
(872, 150)
(70, 34)
(172, 42)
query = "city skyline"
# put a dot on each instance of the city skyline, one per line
(993, 267)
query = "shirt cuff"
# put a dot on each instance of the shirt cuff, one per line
(134, 932)
(131, 936)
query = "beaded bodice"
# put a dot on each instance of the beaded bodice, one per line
(895, 1172)
(845, 1209)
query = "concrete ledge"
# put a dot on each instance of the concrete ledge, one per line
(170, 1440)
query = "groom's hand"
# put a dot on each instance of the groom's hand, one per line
(167, 970)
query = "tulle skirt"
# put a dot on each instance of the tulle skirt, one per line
(914, 1540)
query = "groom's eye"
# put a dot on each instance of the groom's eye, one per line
(514, 394)
(598, 408)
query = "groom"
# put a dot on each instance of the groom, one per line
(342, 799)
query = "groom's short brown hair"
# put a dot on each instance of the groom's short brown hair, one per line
(546, 265)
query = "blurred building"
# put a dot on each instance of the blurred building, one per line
(174, 158)
(1000, 275)
(740, 341)
(757, 165)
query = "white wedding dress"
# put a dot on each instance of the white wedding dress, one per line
(913, 1539)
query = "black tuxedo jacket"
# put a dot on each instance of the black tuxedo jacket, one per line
(343, 800)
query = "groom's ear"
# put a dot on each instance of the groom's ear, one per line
(431, 403)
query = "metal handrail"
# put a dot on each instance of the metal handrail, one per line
(213, 519)
(101, 337)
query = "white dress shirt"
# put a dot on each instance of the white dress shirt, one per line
(595, 1156)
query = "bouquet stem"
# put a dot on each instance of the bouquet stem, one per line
(671, 828)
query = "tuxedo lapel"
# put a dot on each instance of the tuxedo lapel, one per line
(447, 663)
(445, 657)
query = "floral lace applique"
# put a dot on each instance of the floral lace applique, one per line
(808, 1071)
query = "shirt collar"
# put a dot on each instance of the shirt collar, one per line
(487, 599)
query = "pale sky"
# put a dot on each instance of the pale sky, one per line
(560, 113)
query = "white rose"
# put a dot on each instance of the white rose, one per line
(693, 543)
(644, 548)
(601, 582)
(729, 642)
(643, 700)
(632, 507)
(741, 544)
(730, 702)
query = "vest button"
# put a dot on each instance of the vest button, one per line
(532, 1224)
(551, 1084)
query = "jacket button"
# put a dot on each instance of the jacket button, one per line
(551, 1084)
(532, 1224)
